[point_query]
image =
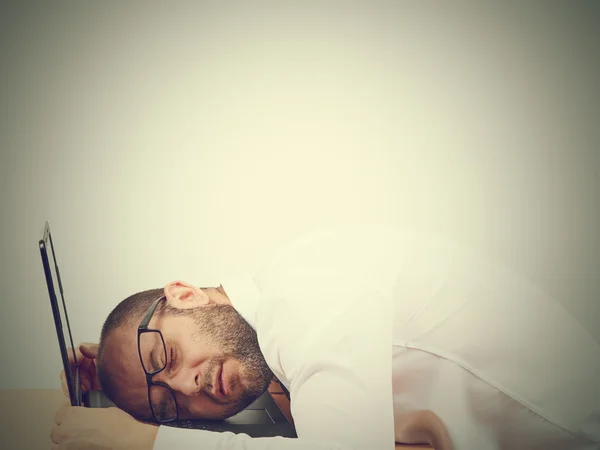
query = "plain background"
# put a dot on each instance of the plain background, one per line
(188, 140)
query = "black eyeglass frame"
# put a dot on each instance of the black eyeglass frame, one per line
(143, 328)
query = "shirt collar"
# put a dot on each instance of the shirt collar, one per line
(244, 296)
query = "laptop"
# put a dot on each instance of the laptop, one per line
(263, 418)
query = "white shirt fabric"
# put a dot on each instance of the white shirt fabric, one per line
(364, 323)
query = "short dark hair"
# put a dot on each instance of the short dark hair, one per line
(127, 313)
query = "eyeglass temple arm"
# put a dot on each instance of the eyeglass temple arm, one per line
(148, 315)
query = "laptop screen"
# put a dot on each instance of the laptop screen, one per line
(59, 311)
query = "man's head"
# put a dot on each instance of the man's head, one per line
(213, 362)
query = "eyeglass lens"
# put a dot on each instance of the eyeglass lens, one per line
(154, 359)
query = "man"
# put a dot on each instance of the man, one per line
(379, 334)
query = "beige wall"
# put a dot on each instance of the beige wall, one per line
(183, 141)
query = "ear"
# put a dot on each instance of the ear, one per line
(183, 295)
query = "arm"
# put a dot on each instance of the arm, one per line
(341, 385)
(341, 395)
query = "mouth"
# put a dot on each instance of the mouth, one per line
(219, 390)
(220, 381)
(225, 383)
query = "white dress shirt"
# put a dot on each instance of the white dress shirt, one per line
(365, 323)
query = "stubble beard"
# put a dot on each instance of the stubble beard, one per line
(224, 326)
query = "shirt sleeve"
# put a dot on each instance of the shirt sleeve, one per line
(341, 386)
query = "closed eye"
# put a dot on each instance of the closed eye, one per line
(172, 360)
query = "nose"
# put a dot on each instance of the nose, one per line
(187, 382)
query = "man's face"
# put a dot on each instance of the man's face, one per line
(213, 362)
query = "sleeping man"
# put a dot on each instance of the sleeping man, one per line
(381, 335)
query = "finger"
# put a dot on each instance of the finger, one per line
(85, 385)
(89, 350)
(55, 434)
(89, 384)
(84, 381)
(79, 356)
(89, 375)
(63, 383)
(70, 355)
(86, 365)
(60, 415)
(87, 381)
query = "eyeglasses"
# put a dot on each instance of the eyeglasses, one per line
(153, 356)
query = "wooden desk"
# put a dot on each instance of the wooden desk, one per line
(27, 416)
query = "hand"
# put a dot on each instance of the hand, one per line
(420, 427)
(86, 360)
(79, 428)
